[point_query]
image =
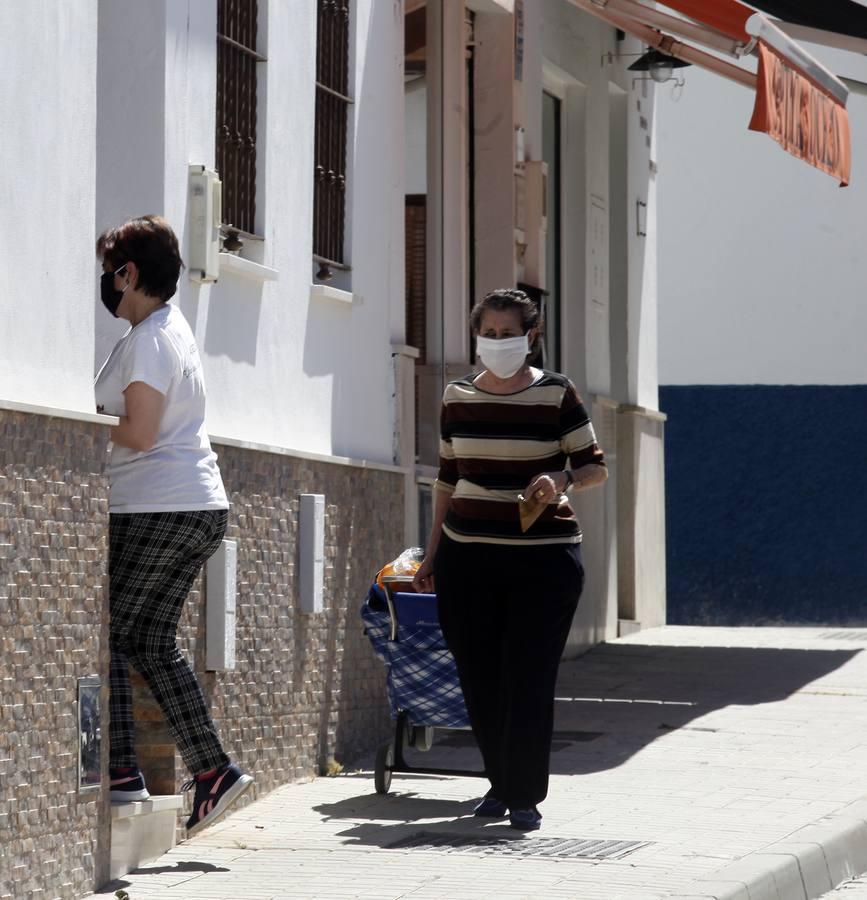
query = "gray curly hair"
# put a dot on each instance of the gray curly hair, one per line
(509, 298)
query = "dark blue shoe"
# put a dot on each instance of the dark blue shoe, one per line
(491, 808)
(127, 786)
(525, 819)
(215, 795)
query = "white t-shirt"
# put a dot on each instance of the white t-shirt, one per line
(180, 471)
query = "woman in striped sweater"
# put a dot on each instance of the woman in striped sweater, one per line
(507, 596)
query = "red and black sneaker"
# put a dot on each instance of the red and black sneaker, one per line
(214, 795)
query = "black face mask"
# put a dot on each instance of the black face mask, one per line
(109, 295)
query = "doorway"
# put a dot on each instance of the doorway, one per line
(552, 299)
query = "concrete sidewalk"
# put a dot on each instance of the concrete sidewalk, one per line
(689, 762)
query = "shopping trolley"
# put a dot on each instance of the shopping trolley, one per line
(424, 691)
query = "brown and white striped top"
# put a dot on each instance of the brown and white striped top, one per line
(493, 445)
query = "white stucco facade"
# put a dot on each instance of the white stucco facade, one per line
(47, 189)
(609, 310)
(284, 368)
(324, 370)
(607, 284)
(762, 266)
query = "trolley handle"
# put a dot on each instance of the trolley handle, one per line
(389, 582)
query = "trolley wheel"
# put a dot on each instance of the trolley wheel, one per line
(422, 737)
(418, 737)
(382, 768)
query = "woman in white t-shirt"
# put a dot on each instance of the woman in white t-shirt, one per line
(167, 510)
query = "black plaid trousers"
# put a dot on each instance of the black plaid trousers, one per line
(153, 560)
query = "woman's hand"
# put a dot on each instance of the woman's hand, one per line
(547, 487)
(423, 580)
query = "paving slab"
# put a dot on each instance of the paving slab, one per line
(732, 758)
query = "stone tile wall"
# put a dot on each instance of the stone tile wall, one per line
(54, 842)
(307, 689)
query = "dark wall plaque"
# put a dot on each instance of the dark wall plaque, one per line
(89, 734)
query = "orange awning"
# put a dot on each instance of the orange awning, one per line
(799, 103)
(727, 16)
(801, 117)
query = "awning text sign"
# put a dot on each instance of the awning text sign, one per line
(801, 118)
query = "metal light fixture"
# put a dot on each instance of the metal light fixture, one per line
(232, 242)
(660, 66)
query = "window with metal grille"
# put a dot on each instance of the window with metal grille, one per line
(332, 110)
(237, 59)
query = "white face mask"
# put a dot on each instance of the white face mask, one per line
(503, 357)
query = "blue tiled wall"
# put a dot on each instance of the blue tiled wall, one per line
(766, 504)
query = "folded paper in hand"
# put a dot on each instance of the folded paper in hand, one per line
(529, 509)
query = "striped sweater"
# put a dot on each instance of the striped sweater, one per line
(493, 445)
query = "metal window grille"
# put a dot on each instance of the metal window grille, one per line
(332, 107)
(237, 22)
(415, 256)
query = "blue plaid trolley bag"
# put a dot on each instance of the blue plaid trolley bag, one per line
(424, 691)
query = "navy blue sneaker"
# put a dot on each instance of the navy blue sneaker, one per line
(525, 819)
(127, 785)
(490, 808)
(215, 795)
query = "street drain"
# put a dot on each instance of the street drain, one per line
(560, 739)
(848, 635)
(536, 848)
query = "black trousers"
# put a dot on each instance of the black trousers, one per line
(505, 613)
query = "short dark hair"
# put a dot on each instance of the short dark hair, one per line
(509, 298)
(150, 243)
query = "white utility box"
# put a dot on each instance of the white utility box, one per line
(206, 213)
(221, 576)
(311, 550)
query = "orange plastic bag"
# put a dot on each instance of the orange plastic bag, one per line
(406, 564)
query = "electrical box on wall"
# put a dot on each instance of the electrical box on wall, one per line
(206, 213)
(311, 551)
(535, 223)
(221, 577)
(520, 202)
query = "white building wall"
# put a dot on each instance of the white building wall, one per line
(762, 323)
(47, 288)
(643, 309)
(762, 266)
(609, 309)
(283, 368)
(576, 47)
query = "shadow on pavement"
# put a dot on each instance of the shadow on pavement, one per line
(177, 868)
(634, 694)
(405, 807)
(412, 814)
(618, 699)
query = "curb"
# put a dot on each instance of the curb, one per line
(807, 864)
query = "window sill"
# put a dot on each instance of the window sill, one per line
(326, 292)
(56, 412)
(144, 807)
(654, 415)
(237, 265)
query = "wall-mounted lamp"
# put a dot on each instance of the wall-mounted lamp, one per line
(232, 242)
(660, 66)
